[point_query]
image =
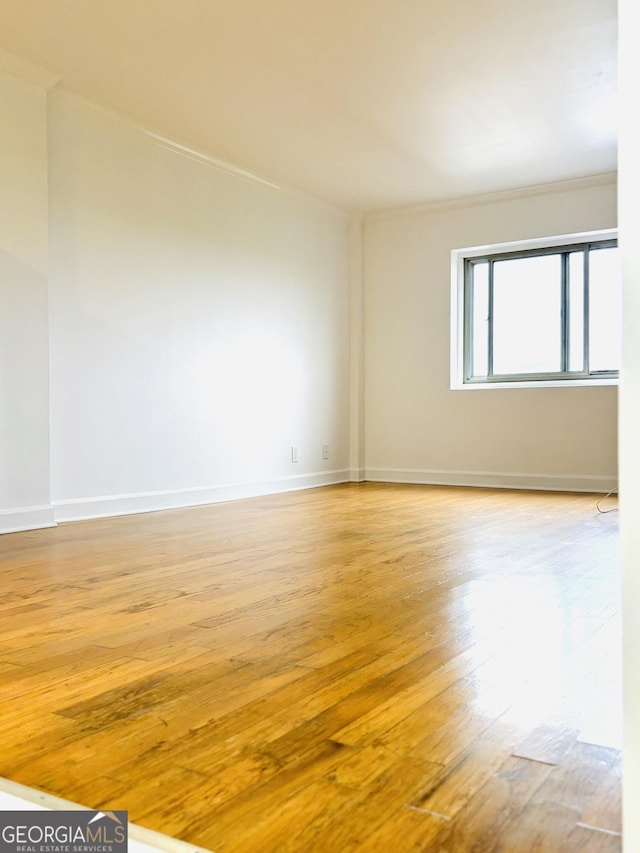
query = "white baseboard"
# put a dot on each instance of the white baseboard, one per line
(26, 518)
(111, 505)
(496, 480)
(36, 517)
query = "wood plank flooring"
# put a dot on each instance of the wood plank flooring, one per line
(364, 667)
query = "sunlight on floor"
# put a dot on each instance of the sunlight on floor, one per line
(549, 661)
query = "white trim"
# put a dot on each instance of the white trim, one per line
(203, 157)
(207, 159)
(496, 480)
(170, 144)
(570, 185)
(541, 383)
(78, 509)
(17, 797)
(15, 66)
(537, 243)
(26, 518)
(357, 475)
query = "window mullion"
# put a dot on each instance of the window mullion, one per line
(585, 336)
(490, 323)
(565, 315)
(468, 321)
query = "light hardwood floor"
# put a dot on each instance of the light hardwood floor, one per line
(362, 667)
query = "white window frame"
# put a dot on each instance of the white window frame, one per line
(458, 259)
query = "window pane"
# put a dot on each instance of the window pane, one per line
(480, 327)
(576, 311)
(527, 327)
(605, 308)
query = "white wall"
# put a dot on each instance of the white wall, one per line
(24, 391)
(630, 413)
(199, 326)
(416, 428)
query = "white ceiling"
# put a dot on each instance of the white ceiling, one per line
(365, 103)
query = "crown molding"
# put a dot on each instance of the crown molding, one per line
(231, 169)
(206, 159)
(165, 142)
(605, 179)
(15, 66)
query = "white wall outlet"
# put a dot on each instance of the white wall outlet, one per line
(325, 451)
(294, 454)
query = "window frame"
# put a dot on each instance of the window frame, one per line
(461, 312)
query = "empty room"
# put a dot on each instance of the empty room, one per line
(310, 438)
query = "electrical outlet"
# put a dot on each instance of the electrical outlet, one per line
(325, 451)
(294, 454)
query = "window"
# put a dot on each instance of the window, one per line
(537, 312)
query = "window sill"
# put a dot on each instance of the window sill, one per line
(543, 383)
